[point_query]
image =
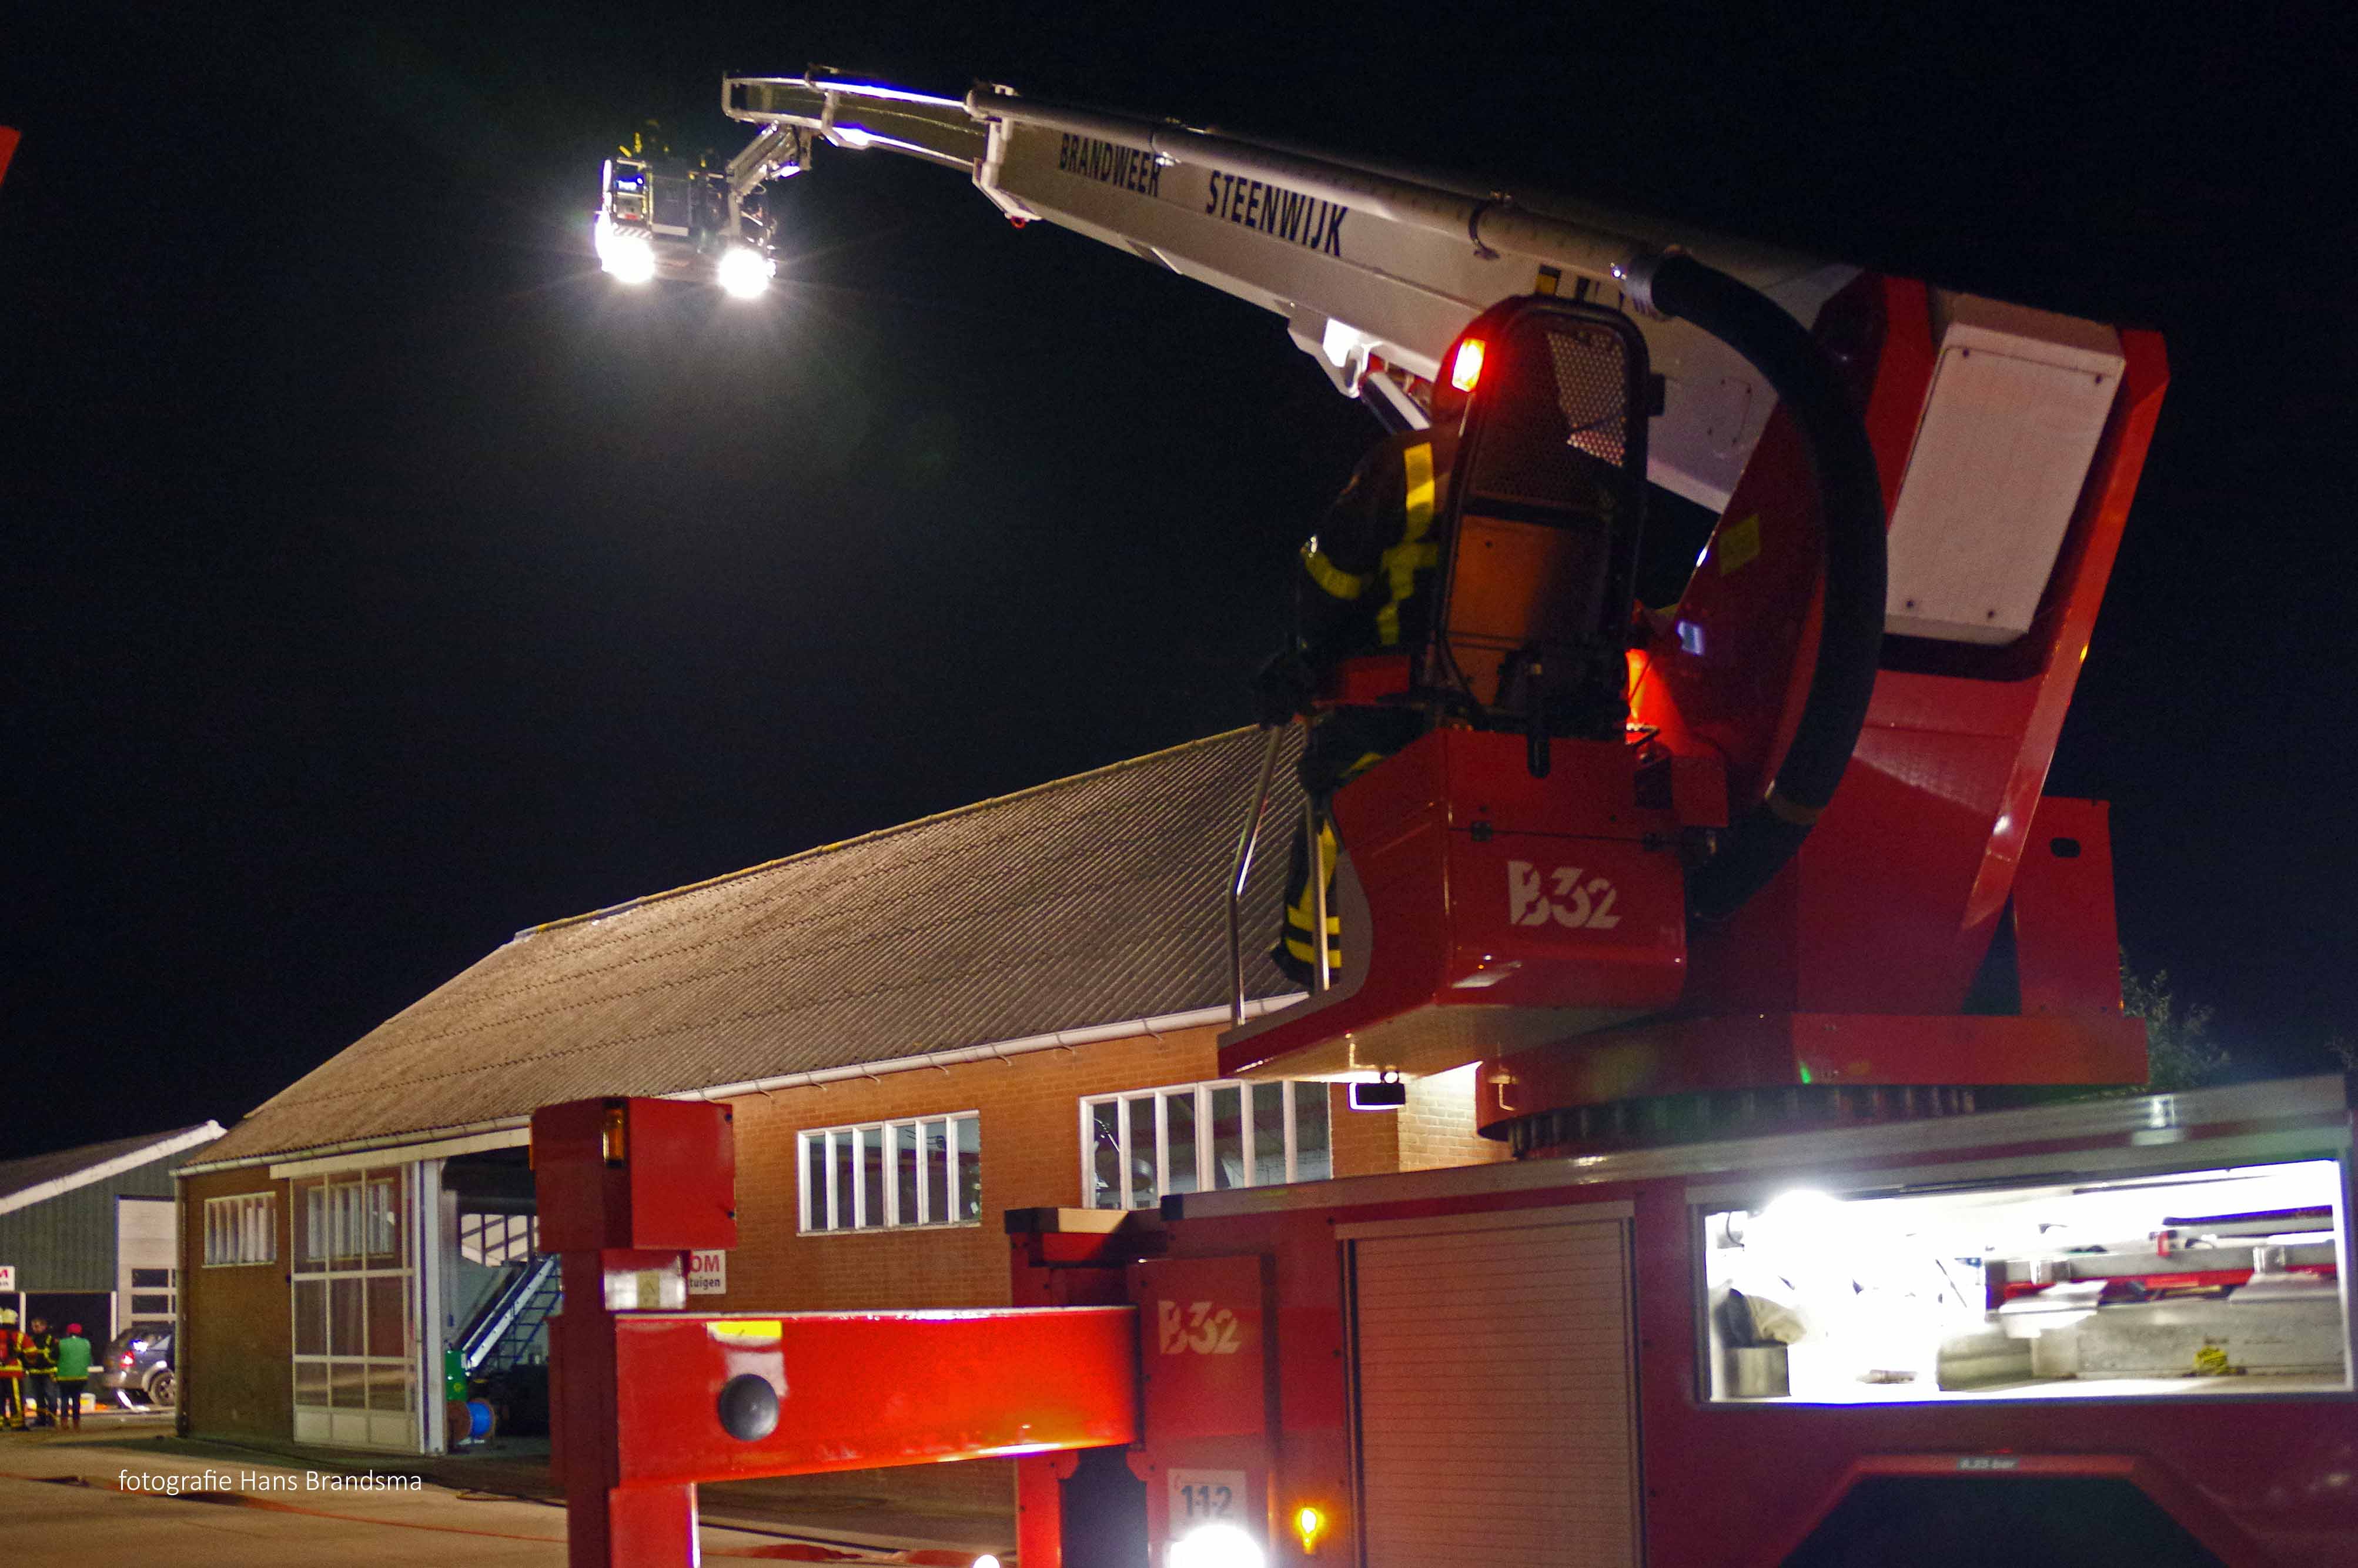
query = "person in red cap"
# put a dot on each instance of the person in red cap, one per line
(73, 1376)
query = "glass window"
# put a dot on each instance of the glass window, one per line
(1179, 1142)
(847, 1182)
(384, 1210)
(1269, 1134)
(970, 1184)
(1228, 1137)
(241, 1229)
(384, 1315)
(2132, 1285)
(344, 1317)
(937, 1171)
(1143, 1145)
(815, 1199)
(893, 1175)
(1313, 1159)
(874, 1201)
(388, 1388)
(1104, 1139)
(904, 1173)
(1190, 1137)
(311, 1317)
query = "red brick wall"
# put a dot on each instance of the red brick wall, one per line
(1031, 1132)
(1436, 1126)
(235, 1377)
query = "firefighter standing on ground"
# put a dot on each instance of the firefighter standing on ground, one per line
(12, 1371)
(40, 1356)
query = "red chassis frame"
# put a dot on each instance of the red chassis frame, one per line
(648, 1400)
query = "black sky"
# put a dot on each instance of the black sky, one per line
(381, 581)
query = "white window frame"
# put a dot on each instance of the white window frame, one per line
(1206, 1150)
(241, 1230)
(496, 1237)
(816, 1211)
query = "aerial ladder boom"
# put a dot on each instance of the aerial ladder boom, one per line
(1920, 493)
(1368, 269)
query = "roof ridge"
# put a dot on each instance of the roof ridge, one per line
(911, 825)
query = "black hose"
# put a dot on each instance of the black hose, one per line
(1850, 642)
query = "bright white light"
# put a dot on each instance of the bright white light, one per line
(986, 1561)
(630, 257)
(1806, 1224)
(1216, 1546)
(744, 274)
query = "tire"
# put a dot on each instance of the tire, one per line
(163, 1388)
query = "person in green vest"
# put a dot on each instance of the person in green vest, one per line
(73, 1375)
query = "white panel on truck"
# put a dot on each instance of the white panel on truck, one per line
(1497, 1416)
(2009, 431)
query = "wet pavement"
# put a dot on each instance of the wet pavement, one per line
(125, 1489)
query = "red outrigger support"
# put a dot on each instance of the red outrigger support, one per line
(648, 1399)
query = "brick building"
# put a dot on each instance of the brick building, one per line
(1010, 1005)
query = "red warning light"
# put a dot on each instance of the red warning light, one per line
(1466, 368)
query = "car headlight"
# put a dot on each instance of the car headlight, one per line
(744, 273)
(1216, 1546)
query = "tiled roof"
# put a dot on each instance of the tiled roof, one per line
(1090, 901)
(58, 1171)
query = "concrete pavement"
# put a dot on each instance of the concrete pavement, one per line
(125, 1490)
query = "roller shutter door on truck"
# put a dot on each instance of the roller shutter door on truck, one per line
(1496, 1398)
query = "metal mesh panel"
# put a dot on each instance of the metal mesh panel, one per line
(1541, 449)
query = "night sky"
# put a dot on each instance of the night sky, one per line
(381, 580)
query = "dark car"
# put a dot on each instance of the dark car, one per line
(136, 1367)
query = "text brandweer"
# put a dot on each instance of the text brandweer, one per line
(1109, 165)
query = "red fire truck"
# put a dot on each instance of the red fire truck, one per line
(1834, 1233)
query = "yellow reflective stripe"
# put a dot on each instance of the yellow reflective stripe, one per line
(1399, 564)
(1414, 552)
(1416, 463)
(1300, 916)
(1332, 580)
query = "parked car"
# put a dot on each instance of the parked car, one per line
(136, 1367)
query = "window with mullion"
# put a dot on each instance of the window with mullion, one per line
(1139, 1145)
(893, 1176)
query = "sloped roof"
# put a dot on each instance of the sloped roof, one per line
(40, 1177)
(1089, 901)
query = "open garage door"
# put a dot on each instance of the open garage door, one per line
(1496, 1396)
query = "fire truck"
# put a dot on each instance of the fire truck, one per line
(1837, 1231)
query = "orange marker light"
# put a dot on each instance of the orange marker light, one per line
(1466, 368)
(1310, 1524)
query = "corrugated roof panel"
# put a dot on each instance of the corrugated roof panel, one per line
(1092, 899)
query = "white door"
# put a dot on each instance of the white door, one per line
(146, 1274)
(1496, 1413)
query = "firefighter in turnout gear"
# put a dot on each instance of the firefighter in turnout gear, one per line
(12, 1371)
(1364, 599)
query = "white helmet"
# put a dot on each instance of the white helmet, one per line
(7, 1315)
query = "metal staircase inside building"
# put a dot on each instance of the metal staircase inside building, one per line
(505, 1333)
